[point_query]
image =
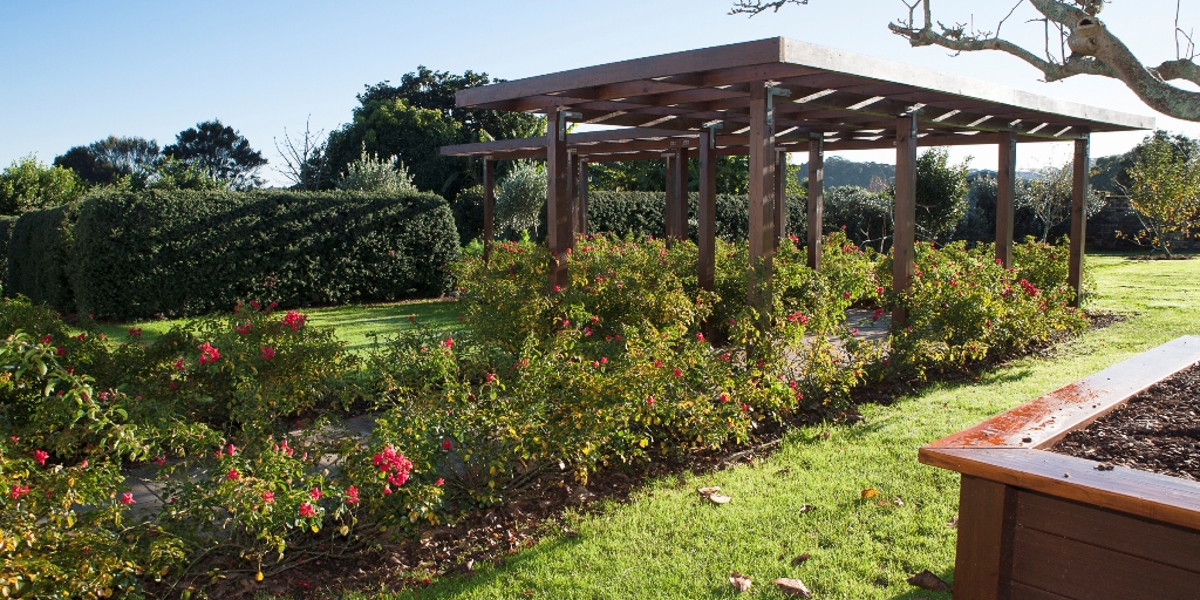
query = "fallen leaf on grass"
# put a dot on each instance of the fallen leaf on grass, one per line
(799, 560)
(953, 524)
(711, 493)
(869, 493)
(782, 472)
(792, 587)
(806, 508)
(740, 582)
(898, 502)
(928, 581)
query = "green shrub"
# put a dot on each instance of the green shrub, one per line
(965, 307)
(6, 231)
(184, 253)
(641, 214)
(38, 256)
(65, 532)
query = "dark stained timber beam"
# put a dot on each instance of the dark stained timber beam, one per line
(781, 181)
(706, 213)
(816, 200)
(581, 187)
(489, 207)
(558, 202)
(904, 237)
(573, 189)
(680, 191)
(1006, 186)
(762, 197)
(1079, 195)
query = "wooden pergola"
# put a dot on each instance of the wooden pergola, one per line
(764, 99)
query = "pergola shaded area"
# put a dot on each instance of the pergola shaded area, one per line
(764, 99)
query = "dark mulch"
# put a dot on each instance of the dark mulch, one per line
(1157, 430)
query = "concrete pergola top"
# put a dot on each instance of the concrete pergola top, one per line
(847, 100)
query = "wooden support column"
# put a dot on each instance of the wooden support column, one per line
(816, 200)
(677, 194)
(781, 182)
(1079, 195)
(1006, 190)
(558, 201)
(489, 206)
(762, 195)
(986, 527)
(573, 190)
(581, 190)
(669, 193)
(706, 212)
(905, 215)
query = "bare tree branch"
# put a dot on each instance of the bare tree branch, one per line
(1087, 47)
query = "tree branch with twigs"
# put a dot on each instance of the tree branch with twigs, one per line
(1077, 42)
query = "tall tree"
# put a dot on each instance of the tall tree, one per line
(1049, 196)
(413, 119)
(1077, 43)
(106, 160)
(221, 152)
(27, 184)
(941, 193)
(1165, 191)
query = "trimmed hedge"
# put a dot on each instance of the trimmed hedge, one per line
(38, 252)
(641, 214)
(6, 230)
(181, 252)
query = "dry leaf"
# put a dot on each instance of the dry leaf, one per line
(792, 587)
(799, 560)
(806, 508)
(707, 491)
(783, 471)
(897, 501)
(869, 493)
(928, 581)
(719, 499)
(953, 524)
(740, 582)
(825, 434)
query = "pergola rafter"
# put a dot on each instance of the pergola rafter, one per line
(772, 97)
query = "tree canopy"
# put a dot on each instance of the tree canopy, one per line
(106, 160)
(219, 151)
(1077, 42)
(27, 184)
(412, 120)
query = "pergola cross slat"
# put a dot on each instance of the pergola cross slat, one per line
(773, 97)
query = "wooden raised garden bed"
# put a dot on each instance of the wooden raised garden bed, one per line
(1036, 525)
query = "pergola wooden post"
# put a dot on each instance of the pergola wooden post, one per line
(1079, 194)
(780, 196)
(558, 199)
(816, 199)
(1006, 189)
(677, 193)
(762, 195)
(581, 197)
(573, 190)
(706, 212)
(489, 206)
(905, 217)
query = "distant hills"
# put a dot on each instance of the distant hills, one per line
(871, 175)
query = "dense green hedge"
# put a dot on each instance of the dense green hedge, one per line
(38, 252)
(641, 213)
(186, 253)
(6, 230)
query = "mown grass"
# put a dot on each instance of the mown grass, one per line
(668, 543)
(356, 324)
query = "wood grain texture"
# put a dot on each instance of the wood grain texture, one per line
(1006, 187)
(1139, 493)
(816, 200)
(983, 557)
(1076, 570)
(905, 218)
(1079, 195)
(1157, 542)
(706, 214)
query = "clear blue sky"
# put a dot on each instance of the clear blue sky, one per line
(75, 71)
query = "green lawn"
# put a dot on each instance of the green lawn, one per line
(667, 543)
(354, 324)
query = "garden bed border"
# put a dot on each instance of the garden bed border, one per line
(1006, 470)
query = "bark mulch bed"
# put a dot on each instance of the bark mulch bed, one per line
(1157, 430)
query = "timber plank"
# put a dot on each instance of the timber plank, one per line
(1077, 570)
